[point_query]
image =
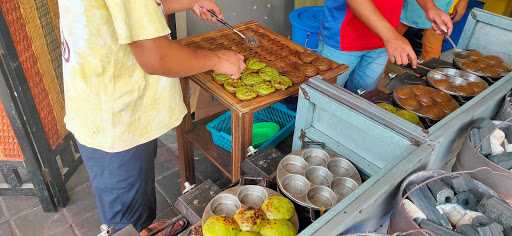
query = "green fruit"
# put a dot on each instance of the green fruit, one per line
(252, 79)
(278, 208)
(220, 78)
(245, 93)
(249, 219)
(264, 88)
(249, 234)
(220, 226)
(278, 228)
(409, 116)
(268, 73)
(388, 107)
(255, 64)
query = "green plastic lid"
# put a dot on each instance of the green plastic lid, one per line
(263, 131)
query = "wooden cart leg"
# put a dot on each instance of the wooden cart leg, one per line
(242, 138)
(186, 157)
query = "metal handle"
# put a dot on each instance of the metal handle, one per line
(451, 41)
(261, 181)
(439, 72)
(310, 142)
(314, 144)
(106, 230)
(424, 67)
(188, 187)
(308, 36)
(212, 13)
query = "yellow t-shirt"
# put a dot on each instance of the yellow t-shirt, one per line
(455, 2)
(111, 103)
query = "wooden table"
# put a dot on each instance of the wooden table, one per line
(194, 134)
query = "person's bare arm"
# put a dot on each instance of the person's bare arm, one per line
(162, 56)
(441, 21)
(399, 49)
(459, 10)
(199, 7)
(172, 6)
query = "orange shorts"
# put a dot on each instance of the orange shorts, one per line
(432, 43)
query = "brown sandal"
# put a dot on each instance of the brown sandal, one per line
(165, 227)
(175, 228)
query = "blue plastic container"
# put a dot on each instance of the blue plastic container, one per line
(306, 23)
(220, 127)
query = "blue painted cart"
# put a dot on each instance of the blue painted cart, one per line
(386, 148)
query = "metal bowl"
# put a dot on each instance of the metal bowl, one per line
(252, 195)
(294, 164)
(296, 185)
(343, 187)
(322, 197)
(315, 156)
(225, 205)
(341, 167)
(318, 175)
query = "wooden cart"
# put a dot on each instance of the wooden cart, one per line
(194, 134)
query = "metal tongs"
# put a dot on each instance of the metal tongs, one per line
(439, 72)
(249, 39)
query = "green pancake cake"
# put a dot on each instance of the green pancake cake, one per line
(245, 93)
(281, 82)
(268, 73)
(232, 85)
(220, 78)
(252, 79)
(255, 64)
(265, 88)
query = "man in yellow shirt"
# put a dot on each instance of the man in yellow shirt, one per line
(122, 92)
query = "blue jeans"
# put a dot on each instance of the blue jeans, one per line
(365, 67)
(124, 184)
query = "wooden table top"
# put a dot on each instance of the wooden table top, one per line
(206, 81)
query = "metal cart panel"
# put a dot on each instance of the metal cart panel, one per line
(488, 33)
(334, 116)
(346, 131)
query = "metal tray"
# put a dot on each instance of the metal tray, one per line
(397, 100)
(458, 60)
(315, 179)
(232, 199)
(462, 77)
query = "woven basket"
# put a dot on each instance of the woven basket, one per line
(33, 26)
(9, 148)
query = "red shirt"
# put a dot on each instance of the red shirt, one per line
(351, 34)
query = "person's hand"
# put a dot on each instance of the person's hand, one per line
(459, 10)
(201, 8)
(400, 51)
(229, 63)
(441, 21)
